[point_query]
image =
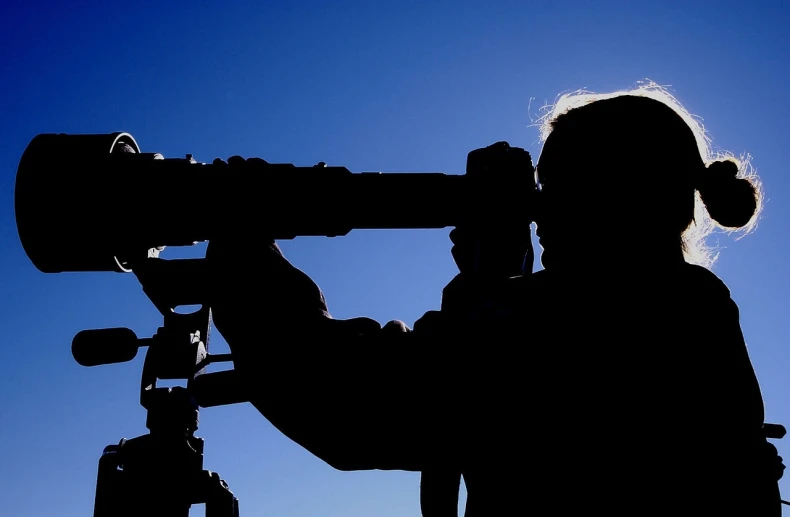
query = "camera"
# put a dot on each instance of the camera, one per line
(97, 203)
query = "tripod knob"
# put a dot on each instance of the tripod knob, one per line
(105, 346)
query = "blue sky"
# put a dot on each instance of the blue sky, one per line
(373, 86)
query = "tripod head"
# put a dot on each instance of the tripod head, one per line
(179, 348)
(161, 473)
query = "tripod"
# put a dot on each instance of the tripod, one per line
(160, 474)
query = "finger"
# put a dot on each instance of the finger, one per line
(459, 234)
(430, 322)
(394, 327)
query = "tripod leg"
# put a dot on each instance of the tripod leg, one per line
(108, 482)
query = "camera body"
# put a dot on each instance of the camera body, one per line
(496, 242)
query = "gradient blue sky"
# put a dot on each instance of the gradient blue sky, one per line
(386, 86)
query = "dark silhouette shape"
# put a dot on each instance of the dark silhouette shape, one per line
(486, 255)
(161, 473)
(616, 380)
(609, 380)
(96, 203)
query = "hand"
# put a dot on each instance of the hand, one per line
(239, 270)
(250, 281)
(432, 324)
(773, 462)
(493, 254)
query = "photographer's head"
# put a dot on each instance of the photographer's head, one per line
(634, 170)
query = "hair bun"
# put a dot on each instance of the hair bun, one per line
(721, 170)
(731, 201)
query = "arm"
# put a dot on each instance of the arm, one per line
(355, 394)
(744, 463)
(727, 377)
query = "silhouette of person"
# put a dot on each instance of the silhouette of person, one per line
(616, 379)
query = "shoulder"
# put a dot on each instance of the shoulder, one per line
(704, 281)
(700, 290)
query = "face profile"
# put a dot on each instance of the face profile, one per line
(580, 198)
